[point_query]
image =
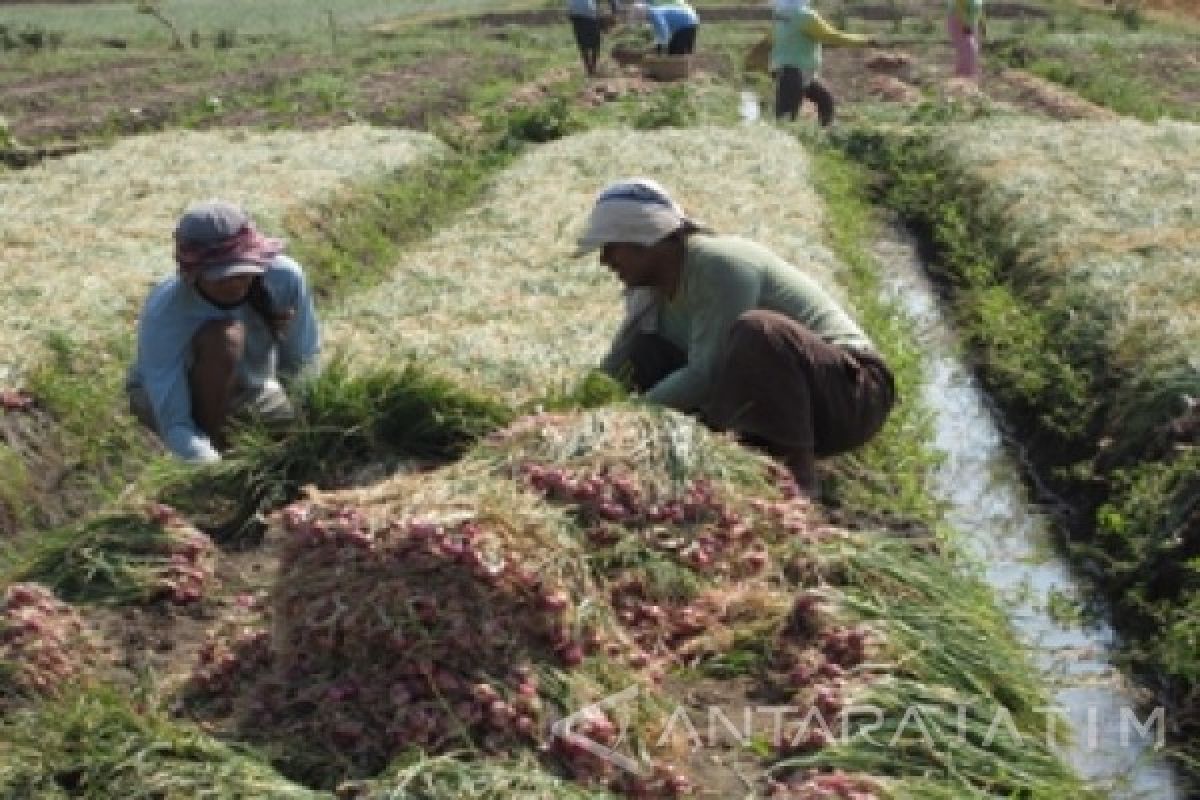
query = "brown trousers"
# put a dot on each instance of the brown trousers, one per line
(784, 387)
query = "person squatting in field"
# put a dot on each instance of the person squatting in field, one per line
(966, 26)
(798, 34)
(675, 25)
(722, 327)
(214, 338)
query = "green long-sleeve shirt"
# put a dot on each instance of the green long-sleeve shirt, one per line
(970, 12)
(798, 38)
(723, 277)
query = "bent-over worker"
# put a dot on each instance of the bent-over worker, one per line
(215, 338)
(724, 328)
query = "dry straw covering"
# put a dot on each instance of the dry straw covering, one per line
(496, 300)
(1110, 210)
(83, 238)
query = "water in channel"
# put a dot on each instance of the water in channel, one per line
(748, 106)
(1115, 745)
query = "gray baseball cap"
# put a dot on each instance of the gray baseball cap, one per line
(225, 237)
(210, 223)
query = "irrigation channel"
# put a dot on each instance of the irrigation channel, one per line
(979, 480)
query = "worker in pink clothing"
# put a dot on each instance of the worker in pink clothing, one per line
(965, 24)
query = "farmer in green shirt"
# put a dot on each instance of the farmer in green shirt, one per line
(795, 58)
(722, 327)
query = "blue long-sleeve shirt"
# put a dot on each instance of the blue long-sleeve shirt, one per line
(666, 20)
(170, 318)
(582, 8)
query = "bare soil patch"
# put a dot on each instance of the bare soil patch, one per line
(1033, 93)
(741, 13)
(1173, 70)
(1181, 8)
(412, 95)
(1187, 8)
(140, 94)
(904, 77)
(722, 768)
(57, 487)
(165, 640)
(32, 436)
(127, 97)
(64, 81)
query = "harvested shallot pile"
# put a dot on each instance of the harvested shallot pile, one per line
(472, 608)
(44, 643)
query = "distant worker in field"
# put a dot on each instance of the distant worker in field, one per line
(675, 25)
(799, 32)
(214, 338)
(585, 21)
(722, 327)
(966, 26)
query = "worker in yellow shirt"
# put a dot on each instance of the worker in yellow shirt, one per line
(795, 60)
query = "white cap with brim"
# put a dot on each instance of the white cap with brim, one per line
(636, 210)
(220, 272)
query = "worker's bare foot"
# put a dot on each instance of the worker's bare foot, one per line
(802, 465)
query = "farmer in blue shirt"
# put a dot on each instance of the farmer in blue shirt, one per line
(214, 338)
(675, 24)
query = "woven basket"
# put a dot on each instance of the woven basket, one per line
(627, 56)
(758, 59)
(666, 68)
